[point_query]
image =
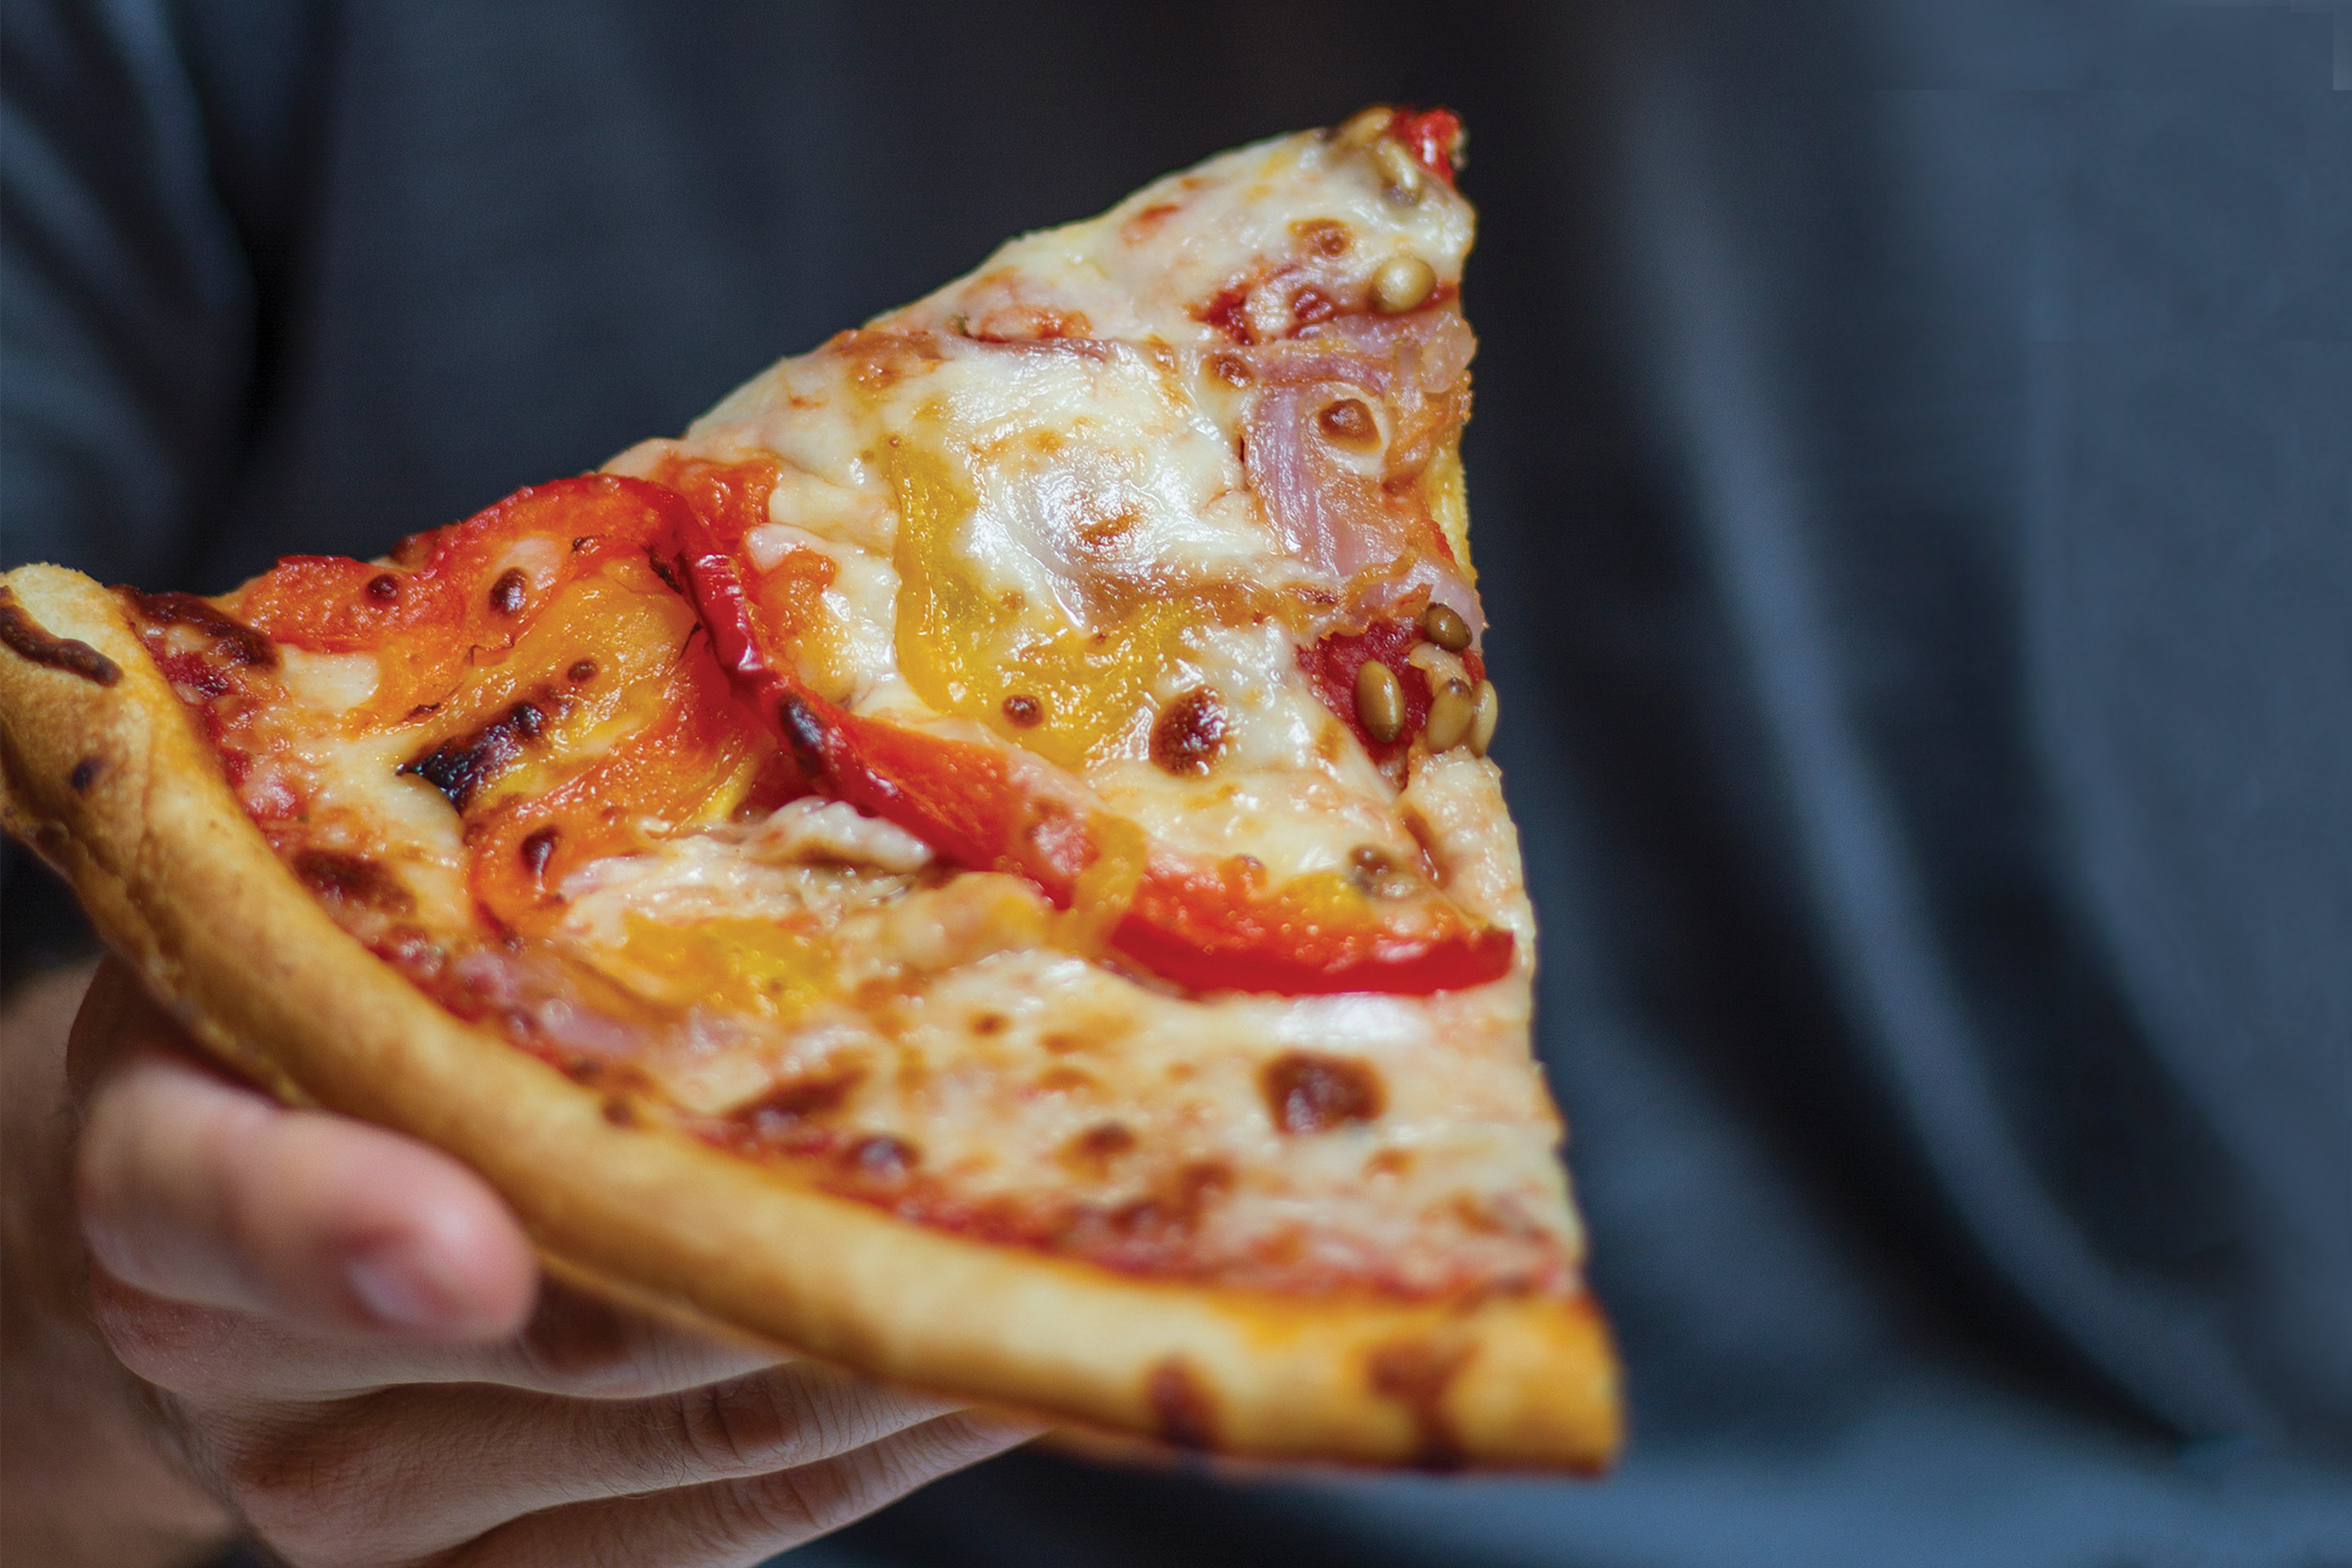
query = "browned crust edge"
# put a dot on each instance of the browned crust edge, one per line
(113, 785)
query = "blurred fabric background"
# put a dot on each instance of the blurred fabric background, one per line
(1912, 476)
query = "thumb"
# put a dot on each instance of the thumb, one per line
(196, 1188)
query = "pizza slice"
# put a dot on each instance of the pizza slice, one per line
(978, 862)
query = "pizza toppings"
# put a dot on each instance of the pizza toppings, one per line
(1442, 625)
(461, 766)
(1487, 710)
(1402, 283)
(1209, 927)
(1401, 171)
(1379, 702)
(1006, 766)
(1434, 137)
(1450, 714)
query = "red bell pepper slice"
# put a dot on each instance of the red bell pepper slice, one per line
(1211, 929)
(439, 601)
(523, 849)
(1433, 136)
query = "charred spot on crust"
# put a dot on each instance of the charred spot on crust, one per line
(1307, 1091)
(460, 766)
(1416, 1375)
(508, 593)
(239, 641)
(351, 879)
(27, 639)
(1183, 1411)
(85, 774)
(1190, 733)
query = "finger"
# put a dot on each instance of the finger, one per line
(574, 1345)
(409, 1472)
(732, 1524)
(198, 1189)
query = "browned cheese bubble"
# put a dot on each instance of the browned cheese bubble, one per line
(1307, 1091)
(1189, 733)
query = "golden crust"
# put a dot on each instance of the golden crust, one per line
(114, 786)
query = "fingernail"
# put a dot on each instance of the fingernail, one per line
(396, 1292)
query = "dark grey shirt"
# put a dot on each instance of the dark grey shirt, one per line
(1913, 474)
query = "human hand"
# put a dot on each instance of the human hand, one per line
(344, 1336)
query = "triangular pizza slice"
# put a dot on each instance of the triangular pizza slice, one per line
(978, 862)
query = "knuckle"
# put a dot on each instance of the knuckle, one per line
(741, 1425)
(773, 1511)
(294, 1483)
(819, 1498)
(333, 1485)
